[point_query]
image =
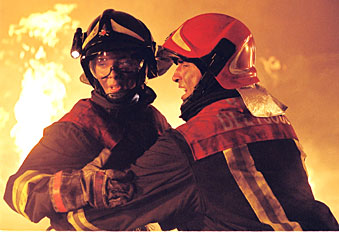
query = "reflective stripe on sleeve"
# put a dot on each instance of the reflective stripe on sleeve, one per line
(99, 189)
(256, 190)
(56, 198)
(79, 221)
(21, 187)
(153, 227)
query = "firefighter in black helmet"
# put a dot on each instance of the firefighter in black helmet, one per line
(75, 166)
(116, 35)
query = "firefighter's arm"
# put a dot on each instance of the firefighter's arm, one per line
(54, 166)
(164, 187)
(90, 186)
(160, 121)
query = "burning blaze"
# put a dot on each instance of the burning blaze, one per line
(43, 84)
(44, 26)
(4, 116)
(39, 103)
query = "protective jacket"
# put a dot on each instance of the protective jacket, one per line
(36, 191)
(222, 170)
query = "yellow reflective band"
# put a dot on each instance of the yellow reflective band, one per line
(70, 219)
(91, 35)
(153, 227)
(20, 189)
(79, 221)
(256, 190)
(179, 41)
(121, 29)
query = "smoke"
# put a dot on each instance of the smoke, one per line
(308, 85)
(272, 66)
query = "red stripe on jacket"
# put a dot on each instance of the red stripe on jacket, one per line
(56, 192)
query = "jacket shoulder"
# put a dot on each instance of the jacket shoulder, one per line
(227, 123)
(160, 121)
(95, 121)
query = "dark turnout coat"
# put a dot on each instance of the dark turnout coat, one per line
(222, 170)
(74, 141)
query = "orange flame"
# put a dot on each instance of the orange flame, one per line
(43, 83)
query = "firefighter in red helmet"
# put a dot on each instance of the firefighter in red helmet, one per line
(70, 171)
(236, 164)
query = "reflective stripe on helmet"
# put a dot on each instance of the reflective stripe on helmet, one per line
(93, 33)
(176, 37)
(121, 29)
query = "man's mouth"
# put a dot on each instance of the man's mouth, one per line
(114, 89)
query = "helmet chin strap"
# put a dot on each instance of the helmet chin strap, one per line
(210, 66)
(207, 91)
(206, 83)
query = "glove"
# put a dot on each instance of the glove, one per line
(91, 186)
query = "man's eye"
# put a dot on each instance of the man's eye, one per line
(101, 59)
(102, 64)
(123, 64)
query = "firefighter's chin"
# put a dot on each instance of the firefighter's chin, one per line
(185, 96)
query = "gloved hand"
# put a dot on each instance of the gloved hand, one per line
(91, 185)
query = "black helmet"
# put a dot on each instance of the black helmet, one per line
(115, 31)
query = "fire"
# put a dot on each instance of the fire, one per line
(4, 116)
(40, 102)
(43, 85)
(46, 25)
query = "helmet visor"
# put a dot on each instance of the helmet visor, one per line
(103, 64)
(245, 59)
(165, 59)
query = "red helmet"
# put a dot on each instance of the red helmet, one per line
(223, 44)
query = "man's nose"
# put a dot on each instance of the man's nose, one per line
(112, 73)
(176, 76)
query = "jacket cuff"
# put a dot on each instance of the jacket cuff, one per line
(66, 191)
